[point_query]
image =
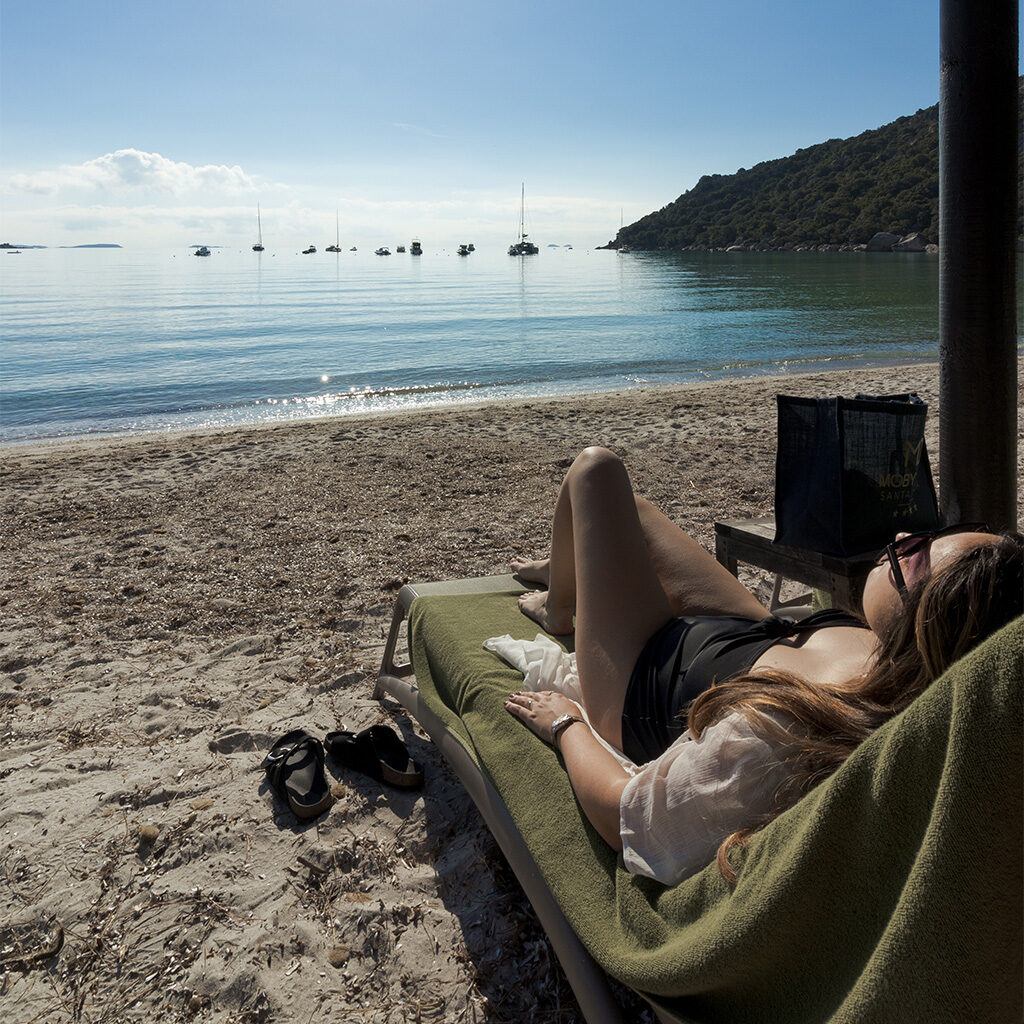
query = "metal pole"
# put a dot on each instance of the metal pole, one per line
(977, 261)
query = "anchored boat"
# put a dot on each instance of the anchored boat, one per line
(258, 247)
(337, 237)
(523, 247)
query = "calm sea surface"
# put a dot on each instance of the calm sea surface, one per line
(119, 341)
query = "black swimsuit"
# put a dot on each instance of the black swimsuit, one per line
(688, 655)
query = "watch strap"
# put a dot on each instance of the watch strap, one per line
(560, 724)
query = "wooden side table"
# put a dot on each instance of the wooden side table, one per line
(750, 541)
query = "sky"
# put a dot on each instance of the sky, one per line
(163, 124)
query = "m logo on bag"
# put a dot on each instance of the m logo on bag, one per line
(900, 485)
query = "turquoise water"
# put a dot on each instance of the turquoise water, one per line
(119, 341)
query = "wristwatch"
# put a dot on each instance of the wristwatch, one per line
(559, 725)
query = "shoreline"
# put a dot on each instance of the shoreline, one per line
(173, 603)
(852, 364)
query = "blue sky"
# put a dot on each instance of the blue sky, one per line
(164, 123)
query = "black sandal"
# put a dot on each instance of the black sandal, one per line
(295, 768)
(378, 752)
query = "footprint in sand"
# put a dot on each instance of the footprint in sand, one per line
(233, 740)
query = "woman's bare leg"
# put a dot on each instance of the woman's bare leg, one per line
(553, 608)
(600, 563)
(693, 581)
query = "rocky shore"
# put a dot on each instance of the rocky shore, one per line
(881, 241)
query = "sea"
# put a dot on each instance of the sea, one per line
(121, 341)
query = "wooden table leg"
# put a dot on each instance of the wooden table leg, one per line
(722, 555)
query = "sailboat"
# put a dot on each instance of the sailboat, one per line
(258, 247)
(523, 247)
(337, 237)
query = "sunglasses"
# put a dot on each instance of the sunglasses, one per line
(914, 542)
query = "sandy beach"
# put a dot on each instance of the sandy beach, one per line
(172, 603)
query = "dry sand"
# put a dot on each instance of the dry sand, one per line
(171, 603)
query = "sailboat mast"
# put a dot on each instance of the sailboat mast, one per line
(522, 213)
(337, 230)
(259, 224)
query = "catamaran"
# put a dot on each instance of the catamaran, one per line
(258, 247)
(523, 247)
(337, 236)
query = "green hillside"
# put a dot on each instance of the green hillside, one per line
(839, 192)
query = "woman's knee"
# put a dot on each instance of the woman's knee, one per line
(595, 459)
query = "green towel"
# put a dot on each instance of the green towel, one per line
(892, 892)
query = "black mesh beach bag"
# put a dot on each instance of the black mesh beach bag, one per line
(849, 473)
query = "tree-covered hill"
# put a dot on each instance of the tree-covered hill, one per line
(838, 192)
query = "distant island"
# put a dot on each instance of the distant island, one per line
(93, 245)
(878, 190)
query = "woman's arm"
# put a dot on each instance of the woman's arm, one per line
(597, 778)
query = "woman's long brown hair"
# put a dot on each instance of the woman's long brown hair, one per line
(944, 616)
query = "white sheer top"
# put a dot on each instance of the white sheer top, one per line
(676, 810)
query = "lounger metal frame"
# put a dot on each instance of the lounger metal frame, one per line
(589, 982)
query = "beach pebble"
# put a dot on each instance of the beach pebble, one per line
(338, 956)
(149, 833)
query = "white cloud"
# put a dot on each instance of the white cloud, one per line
(146, 200)
(133, 169)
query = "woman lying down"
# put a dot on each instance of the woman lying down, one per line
(726, 715)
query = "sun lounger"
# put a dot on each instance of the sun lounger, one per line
(588, 981)
(892, 891)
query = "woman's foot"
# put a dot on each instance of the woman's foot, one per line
(557, 622)
(533, 571)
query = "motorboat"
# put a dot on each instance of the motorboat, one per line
(463, 250)
(306, 252)
(400, 248)
(523, 247)
(382, 251)
(417, 249)
(471, 247)
(353, 249)
(201, 251)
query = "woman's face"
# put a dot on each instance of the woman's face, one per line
(882, 601)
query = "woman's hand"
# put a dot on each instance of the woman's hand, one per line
(538, 711)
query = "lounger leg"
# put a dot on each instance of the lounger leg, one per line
(388, 666)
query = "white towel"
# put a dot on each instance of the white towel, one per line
(545, 666)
